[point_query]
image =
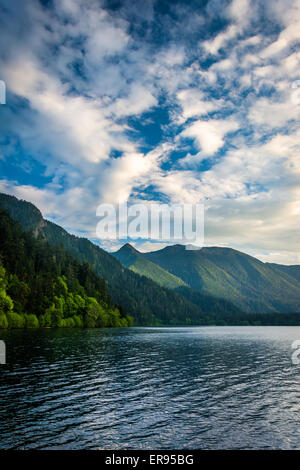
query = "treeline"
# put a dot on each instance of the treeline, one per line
(149, 303)
(250, 319)
(43, 285)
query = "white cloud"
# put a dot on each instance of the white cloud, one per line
(240, 12)
(74, 208)
(278, 257)
(209, 135)
(193, 104)
(286, 38)
(214, 45)
(144, 247)
(273, 114)
(288, 14)
(122, 175)
(84, 77)
(138, 100)
(78, 127)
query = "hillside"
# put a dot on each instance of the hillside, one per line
(252, 285)
(174, 285)
(211, 306)
(293, 270)
(145, 300)
(132, 259)
(43, 285)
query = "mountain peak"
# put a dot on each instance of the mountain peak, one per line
(128, 248)
(173, 248)
(26, 213)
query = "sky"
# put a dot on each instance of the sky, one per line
(156, 101)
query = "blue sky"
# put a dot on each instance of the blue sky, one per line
(174, 101)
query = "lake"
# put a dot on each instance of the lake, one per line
(150, 388)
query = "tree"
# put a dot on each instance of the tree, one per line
(15, 320)
(3, 321)
(43, 285)
(31, 321)
(6, 303)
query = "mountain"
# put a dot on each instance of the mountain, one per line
(293, 270)
(139, 296)
(133, 259)
(210, 306)
(250, 284)
(43, 285)
(210, 285)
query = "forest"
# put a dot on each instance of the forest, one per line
(44, 286)
(149, 303)
(50, 278)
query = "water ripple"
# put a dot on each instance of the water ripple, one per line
(150, 388)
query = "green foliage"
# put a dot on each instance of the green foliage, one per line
(3, 321)
(78, 321)
(19, 209)
(133, 259)
(224, 273)
(209, 286)
(130, 320)
(15, 320)
(207, 304)
(62, 292)
(93, 315)
(31, 321)
(46, 320)
(6, 303)
(141, 297)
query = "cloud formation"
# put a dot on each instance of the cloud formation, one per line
(181, 103)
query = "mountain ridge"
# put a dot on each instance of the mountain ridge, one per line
(154, 286)
(229, 274)
(139, 296)
(132, 259)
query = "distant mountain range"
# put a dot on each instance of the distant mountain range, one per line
(175, 285)
(147, 301)
(250, 284)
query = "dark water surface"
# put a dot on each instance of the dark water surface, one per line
(156, 388)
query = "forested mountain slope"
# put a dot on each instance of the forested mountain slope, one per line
(133, 259)
(200, 282)
(252, 285)
(43, 285)
(139, 296)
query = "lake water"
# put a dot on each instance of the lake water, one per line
(150, 388)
